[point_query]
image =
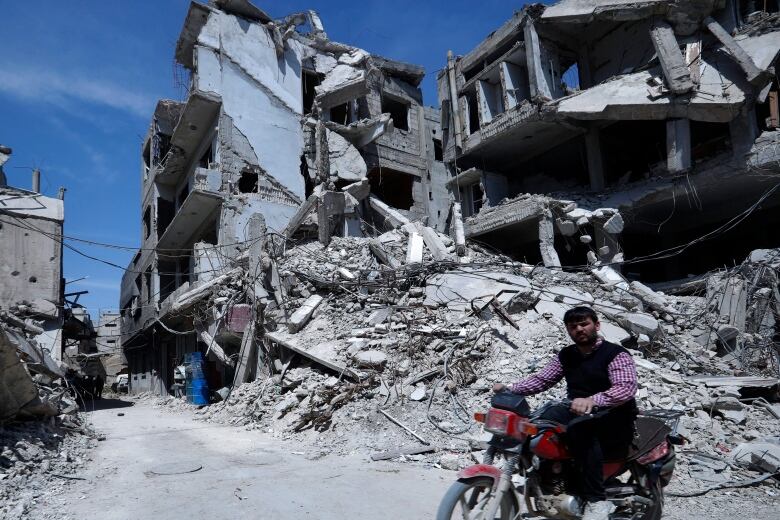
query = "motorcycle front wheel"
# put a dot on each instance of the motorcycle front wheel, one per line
(468, 498)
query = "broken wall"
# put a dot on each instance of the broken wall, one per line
(30, 260)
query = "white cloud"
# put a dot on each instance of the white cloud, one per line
(64, 91)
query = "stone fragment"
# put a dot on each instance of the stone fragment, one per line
(370, 359)
(450, 461)
(418, 394)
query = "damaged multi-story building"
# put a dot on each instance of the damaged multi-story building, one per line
(614, 131)
(282, 128)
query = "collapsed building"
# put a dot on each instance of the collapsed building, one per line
(36, 326)
(282, 129)
(664, 112)
(303, 226)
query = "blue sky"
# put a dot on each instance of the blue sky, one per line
(79, 81)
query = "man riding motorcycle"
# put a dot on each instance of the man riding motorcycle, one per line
(601, 383)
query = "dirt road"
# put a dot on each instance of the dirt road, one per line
(244, 474)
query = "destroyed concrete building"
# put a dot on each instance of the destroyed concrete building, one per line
(283, 129)
(33, 313)
(664, 113)
(31, 295)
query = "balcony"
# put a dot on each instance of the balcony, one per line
(195, 124)
(195, 214)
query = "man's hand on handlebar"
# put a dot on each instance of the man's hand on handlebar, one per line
(582, 405)
(500, 387)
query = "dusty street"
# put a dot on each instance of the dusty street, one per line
(242, 474)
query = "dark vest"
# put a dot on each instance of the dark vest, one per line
(588, 375)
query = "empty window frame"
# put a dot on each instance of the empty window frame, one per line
(472, 111)
(398, 110)
(438, 150)
(309, 80)
(147, 222)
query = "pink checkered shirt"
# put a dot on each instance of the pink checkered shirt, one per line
(622, 375)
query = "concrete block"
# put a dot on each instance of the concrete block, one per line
(303, 314)
(614, 225)
(370, 359)
(566, 227)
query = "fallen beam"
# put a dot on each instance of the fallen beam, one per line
(390, 215)
(678, 77)
(214, 347)
(754, 74)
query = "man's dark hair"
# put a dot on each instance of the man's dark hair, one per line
(578, 314)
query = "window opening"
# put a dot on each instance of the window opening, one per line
(438, 151)
(147, 221)
(398, 110)
(207, 158)
(341, 114)
(476, 198)
(473, 109)
(248, 182)
(309, 81)
(392, 187)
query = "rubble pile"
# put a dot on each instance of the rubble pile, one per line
(38, 458)
(43, 439)
(363, 357)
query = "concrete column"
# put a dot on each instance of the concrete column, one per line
(547, 240)
(743, 130)
(678, 145)
(595, 160)
(533, 54)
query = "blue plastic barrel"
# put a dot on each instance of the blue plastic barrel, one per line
(197, 390)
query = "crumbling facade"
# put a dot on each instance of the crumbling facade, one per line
(31, 295)
(664, 113)
(283, 131)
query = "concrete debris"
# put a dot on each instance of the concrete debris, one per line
(301, 317)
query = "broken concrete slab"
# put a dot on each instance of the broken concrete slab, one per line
(325, 354)
(303, 314)
(365, 131)
(17, 389)
(346, 162)
(764, 455)
(456, 290)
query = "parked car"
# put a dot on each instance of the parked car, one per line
(121, 385)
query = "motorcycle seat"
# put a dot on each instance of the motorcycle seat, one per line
(649, 433)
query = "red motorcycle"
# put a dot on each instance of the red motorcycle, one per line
(537, 470)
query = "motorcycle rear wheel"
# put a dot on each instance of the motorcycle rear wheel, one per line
(468, 496)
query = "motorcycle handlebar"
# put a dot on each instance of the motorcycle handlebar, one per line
(567, 403)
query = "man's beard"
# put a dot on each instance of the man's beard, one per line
(588, 341)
